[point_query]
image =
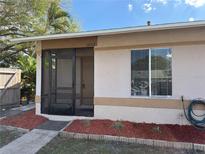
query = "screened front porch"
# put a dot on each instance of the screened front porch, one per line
(68, 82)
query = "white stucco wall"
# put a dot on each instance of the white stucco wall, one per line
(189, 71)
(113, 79)
(113, 72)
(139, 114)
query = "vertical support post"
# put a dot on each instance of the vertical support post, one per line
(38, 51)
(74, 78)
(150, 74)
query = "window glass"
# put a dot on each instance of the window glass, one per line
(140, 73)
(155, 68)
(161, 73)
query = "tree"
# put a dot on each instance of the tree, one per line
(57, 20)
(21, 18)
(28, 66)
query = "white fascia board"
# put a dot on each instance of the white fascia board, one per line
(112, 31)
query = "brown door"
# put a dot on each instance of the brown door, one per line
(87, 80)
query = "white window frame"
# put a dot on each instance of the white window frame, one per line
(150, 76)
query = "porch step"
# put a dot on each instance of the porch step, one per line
(53, 125)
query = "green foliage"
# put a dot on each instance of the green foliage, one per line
(28, 76)
(22, 18)
(118, 125)
(156, 129)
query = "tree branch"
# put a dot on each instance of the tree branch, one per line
(13, 34)
(9, 46)
(4, 57)
(3, 2)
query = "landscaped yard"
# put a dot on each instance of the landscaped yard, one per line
(64, 145)
(60, 144)
(7, 135)
(128, 129)
(27, 120)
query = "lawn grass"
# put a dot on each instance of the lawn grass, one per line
(8, 135)
(64, 145)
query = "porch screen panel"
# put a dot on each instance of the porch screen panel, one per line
(53, 78)
(161, 72)
(45, 82)
(140, 73)
(64, 82)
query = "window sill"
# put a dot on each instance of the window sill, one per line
(153, 97)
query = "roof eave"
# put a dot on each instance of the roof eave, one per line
(111, 31)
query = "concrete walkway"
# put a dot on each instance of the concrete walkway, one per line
(27, 107)
(53, 125)
(29, 143)
(15, 111)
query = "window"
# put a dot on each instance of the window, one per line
(151, 72)
(140, 72)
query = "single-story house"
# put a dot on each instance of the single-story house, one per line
(137, 74)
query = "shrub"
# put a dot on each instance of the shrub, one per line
(118, 124)
(28, 77)
(156, 129)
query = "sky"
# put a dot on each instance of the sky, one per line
(107, 14)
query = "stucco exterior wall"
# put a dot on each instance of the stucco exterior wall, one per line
(112, 75)
(189, 71)
(113, 98)
(140, 114)
(113, 72)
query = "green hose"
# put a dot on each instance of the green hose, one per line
(195, 119)
(193, 116)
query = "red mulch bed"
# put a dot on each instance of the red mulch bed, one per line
(27, 120)
(139, 130)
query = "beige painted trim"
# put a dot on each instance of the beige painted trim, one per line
(149, 45)
(70, 43)
(37, 99)
(38, 47)
(155, 37)
(143, 102)
(138, 102)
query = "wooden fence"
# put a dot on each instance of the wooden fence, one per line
(9, 87)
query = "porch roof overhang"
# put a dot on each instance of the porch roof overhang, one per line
(113, 31)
